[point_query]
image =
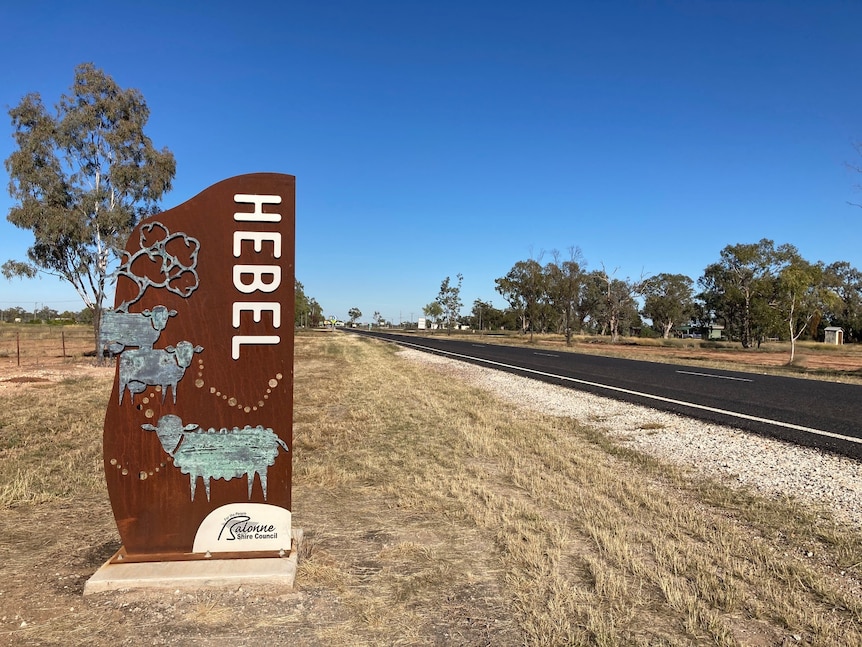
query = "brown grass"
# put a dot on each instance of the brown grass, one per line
(30, 345)
(434, 515)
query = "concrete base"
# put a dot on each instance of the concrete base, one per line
(274, 571)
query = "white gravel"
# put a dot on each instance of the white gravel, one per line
(773, 467)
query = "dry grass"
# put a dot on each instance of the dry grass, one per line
(48, 448)
(437, 515)
(41, 344)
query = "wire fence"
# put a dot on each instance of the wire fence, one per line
(40, 344)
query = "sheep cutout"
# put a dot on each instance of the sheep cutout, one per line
(140, 329)
(218, 454)
(163, 367)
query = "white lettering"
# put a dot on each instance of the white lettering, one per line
(257, 307)
(257, 272)
(258, 201)
(239, 340)
(248, 279)
(258, 237)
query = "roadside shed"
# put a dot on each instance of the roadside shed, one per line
(834, 335)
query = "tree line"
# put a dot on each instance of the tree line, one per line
(753, 292)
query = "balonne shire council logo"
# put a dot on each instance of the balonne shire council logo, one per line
(244, 527)
(240, 526)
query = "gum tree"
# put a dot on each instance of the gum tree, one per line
(449, 299)
(81, 177)
(846, 282)
(669, 301)
(738, 286)
(563, 280)
(523, 289)
(802, 292)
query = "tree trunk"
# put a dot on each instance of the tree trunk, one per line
(745, 333)
(667, 327)
(97, 326)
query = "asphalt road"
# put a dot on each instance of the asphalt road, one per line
(819, 414)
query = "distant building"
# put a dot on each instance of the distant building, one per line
(693, 331)
(834, 335)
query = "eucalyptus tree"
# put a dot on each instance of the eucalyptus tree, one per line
(485, 316)
(81, 177)
(620, 305)
(846, 282)
(563, 282)
(354, 314)
(301, 306)
(449, 299)
(523, 289)
(738, 286)
(669, 301)
(433, 311)
(315, 312)
(802, 291)
(590, 311)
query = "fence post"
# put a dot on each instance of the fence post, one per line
(18, 343)
(63, 337)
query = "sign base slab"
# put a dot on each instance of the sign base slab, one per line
(116, 575)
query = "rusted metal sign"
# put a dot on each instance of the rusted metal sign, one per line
(199, 426)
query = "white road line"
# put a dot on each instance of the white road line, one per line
(691, 405)
(478, 345)
(718, 377)
(546, 354)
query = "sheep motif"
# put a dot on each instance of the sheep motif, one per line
(218, 454)
(140, 329)
(164, 367)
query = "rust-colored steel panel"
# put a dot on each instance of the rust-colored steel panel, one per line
(198, 431)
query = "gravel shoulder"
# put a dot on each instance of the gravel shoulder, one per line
(736, 457)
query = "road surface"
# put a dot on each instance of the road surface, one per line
(819, 414)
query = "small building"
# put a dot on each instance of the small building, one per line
(834, 335)
(713, 331)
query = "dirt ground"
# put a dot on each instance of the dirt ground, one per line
(828, 361)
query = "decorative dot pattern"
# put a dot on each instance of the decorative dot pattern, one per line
(231, 400)
(142, 474)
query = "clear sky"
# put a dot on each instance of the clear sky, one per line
(432, 138)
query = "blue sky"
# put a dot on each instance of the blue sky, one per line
(432, 138)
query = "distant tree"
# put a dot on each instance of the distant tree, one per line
(46, 314)
(315, 312)
(738, 286)
(802, 291)
(484, 316)
(81, 178)
(619, 303)
(433, 311)
(590, 311)
(846, 282)
(354, 314)
(669, 301)
(449, 299)
(85, 317)
(378, 318)
(523, 289)
(563, 282)
(307, 311)
(301, 305)
(16, 312)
